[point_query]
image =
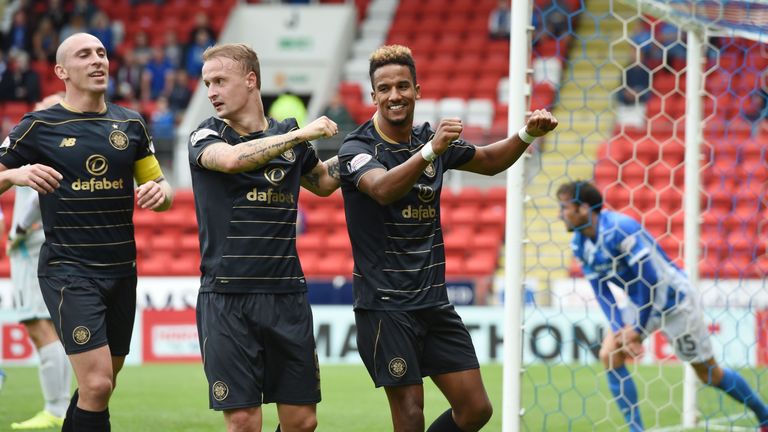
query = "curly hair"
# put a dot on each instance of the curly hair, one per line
(392, 54)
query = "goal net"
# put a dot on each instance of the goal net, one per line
(621, 83)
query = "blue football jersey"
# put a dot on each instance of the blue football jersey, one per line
(626, 255)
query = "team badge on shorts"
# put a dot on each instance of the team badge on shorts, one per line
(81, 335)
(289, 155)
(397, 367)
(220, 391)
(118, 139)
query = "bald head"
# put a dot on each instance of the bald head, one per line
(74, 43)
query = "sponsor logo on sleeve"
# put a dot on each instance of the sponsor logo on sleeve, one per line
(358, 161)
(198, 135)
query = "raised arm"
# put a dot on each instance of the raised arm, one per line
(324, 177)
(255, 153)
(495, 158)
(388, 186)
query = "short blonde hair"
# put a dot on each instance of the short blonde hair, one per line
(392, 54)
(240, 53)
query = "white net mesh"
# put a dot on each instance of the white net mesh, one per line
(621, 103)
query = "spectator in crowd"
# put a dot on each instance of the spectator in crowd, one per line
(180, 94)
(556, 23)
(288, 105)
(86, 9)
(336, 111)
(19, 36)
(157, 75)
(129, 77)
(76, 24)
(174, 52)
(19, 82)
(163, 127)
(101, 27)
(57, 14)
(9, 12)
(45, 40)
(635, 88)
(142, 52)
(194, 55)
(201, 24)
(754, 107)
(499, 21)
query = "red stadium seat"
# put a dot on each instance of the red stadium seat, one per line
(481, 264)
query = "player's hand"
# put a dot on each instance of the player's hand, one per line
(150, 195)
(41, 178)
(323, 127)
(540, 123)
(630, 341)
(18, 236)
(448, 131)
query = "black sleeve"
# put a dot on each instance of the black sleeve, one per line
(19, 148)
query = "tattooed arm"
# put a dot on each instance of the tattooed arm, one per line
(256, 153)
(324, 177)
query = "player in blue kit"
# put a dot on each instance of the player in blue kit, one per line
(392, 177)
(614, 248)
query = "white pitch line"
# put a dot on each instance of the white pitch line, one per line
(715, 424)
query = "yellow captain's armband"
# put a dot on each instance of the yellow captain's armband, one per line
(146, 169)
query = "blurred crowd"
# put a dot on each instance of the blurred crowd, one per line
(153, 76)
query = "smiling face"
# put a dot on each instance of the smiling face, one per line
(82, 64)
(229, 87)
(395, 94)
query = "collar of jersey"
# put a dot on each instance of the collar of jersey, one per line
(75, 110)
(381, 133)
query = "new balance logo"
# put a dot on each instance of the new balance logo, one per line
(67, 142)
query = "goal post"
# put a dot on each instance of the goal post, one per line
(683, 160)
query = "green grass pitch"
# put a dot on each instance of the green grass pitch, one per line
(172, 398)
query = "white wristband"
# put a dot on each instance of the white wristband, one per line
(427, 153)
(525, 136)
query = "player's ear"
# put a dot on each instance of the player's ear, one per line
(418, 91)
(60, 72)
(251, 80)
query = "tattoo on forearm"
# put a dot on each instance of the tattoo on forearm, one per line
(313, 179)
(260, 154)
(211, 158)
(333, 168)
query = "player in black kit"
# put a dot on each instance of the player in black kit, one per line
(82, 156)
(254, 319)
(392, 174)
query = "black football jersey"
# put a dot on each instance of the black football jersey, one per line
(398, 248)
(247, 221)
(88, 220)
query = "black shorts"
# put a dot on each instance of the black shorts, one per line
(89, 312)
(402, 347)
(258, 348)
